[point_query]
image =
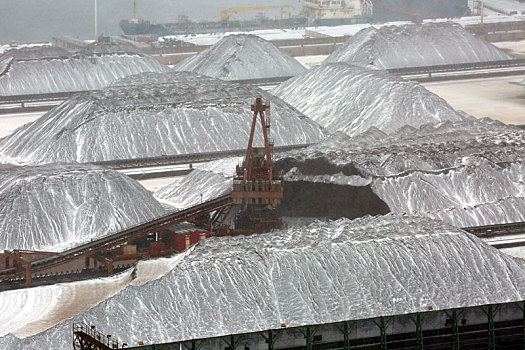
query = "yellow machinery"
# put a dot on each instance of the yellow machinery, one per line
(225, 14)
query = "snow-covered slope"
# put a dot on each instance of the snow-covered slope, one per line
(350, 99)
(199, 185)
(466, 173)
(26, 312)
(46, 70)
(238, 57)
(58, 206)
(325, 272)
(152, 115)
(414, 46)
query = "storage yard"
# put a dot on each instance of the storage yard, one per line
(354, 186)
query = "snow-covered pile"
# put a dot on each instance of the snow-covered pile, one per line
(325, 272)
(466, 173)
(352, 100)
(239, 57)
(59, 206)
(199, 185)
(415, 46)
(49, 70)
(153, 115)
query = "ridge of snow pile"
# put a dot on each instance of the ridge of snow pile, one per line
(46, 70)
(152, 115)
(474, 179)
(415, 46)
(304, 276)
(352, 100)
(55, 207)
(239, 57)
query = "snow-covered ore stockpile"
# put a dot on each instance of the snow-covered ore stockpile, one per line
(322, 273)
(465, 173)
(346, 98)
(242, 57)
(199, 185)
(54, 207)
(44, 70)
(415, 46)
(152, 115)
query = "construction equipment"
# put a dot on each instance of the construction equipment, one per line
(225, 14)
(255, 186)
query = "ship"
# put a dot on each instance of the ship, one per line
(139, 26)
(417, 10)
(332, 13)
(329, 13)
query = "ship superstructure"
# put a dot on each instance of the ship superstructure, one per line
(323, 12)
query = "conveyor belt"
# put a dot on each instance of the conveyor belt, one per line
(129, 234)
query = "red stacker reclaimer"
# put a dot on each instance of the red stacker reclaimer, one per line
(255, 186)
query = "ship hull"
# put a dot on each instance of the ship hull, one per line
(143, 27)
(413, 10)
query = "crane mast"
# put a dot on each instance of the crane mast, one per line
(255, 185)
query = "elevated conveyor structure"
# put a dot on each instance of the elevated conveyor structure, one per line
(23, 265)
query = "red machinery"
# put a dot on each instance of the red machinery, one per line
(255, 186)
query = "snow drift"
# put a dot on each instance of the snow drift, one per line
(352, 100)
(59, 206)
(239, 57)
(152, 115)
(325, 272)
(415, 46)
(48, 70)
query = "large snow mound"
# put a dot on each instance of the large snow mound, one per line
(239, 57)
(322, 273)
(58, 206)
(48, 70)
(153, 115)
(352, 100)
(415, 46)
(465, 173)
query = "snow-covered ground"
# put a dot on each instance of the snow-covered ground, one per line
(10, 122)
(310, 61)
(500, 98)
(515, 48)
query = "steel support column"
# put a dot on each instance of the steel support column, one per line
(418, 321)
(270, 339)
(491, 315)
(346, 329)
(522, 307)
(454, 316)
(383, 326)
(309, 336)
(231, 341)
(193, 345)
